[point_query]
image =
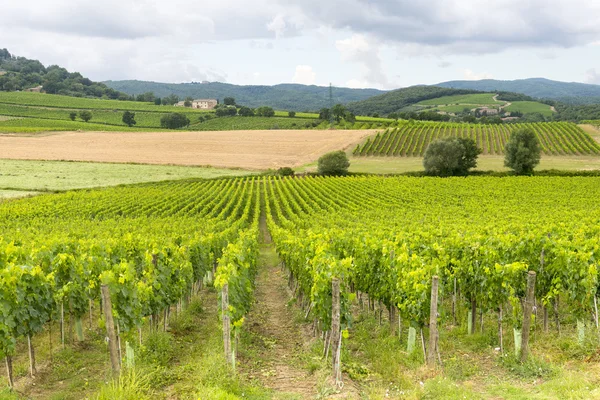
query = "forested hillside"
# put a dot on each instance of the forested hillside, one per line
(20, 73)
(291, 97)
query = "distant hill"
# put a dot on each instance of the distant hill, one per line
(291, 97)
(396, 100)
(20, 73)
(566, 92)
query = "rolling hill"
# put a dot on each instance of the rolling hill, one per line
(566, 92)
(290, 97)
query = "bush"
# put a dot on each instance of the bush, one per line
(225, 111)
(334, 163)
(450, 156)
(285, 171)
(174, 121)
(265, 112)
(292, 114)
(72, 115)
(85, 115)
(129, 118)
(245, 112)
(522, 152)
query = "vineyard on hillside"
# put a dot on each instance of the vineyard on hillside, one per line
(412, 138)
(143, 251)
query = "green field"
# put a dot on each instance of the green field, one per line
(58, 101)
(65, 175)
(483, 99)
(528, 107)
(411, 139)
(24, 112)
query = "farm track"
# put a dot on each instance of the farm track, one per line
(281, 341)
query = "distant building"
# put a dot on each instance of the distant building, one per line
(488, 111)
(203, 104)
(37, 89)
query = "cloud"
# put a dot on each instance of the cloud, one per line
(472, 76)
(364, 51)
(444, 64)
(462, 26)
(304, 75)
(592, 76)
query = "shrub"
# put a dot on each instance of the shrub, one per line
(85, 115)
(450, 156)
(226, 111)
(174, 121)
(129, 118)
(285, 171)
(334, 163)
(292, 114)
(246, 112)
(72, 115)
(522, 152)
(265, 112)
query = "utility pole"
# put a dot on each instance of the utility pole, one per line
(330, 105)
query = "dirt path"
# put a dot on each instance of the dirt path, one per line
(280, 340)
(272, 322)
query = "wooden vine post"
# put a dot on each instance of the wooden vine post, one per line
(527, 310)
(336, 333)
(110, 330)
(226, 324)
(433, 331)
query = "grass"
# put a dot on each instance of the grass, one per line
(472, 368)
(483, 99)
(383, 165)
(54, 100)
(250, 123)
(399, 165)
(11, 194)
(33, 125)
(528, 107)
(195, 366)
(64, 175)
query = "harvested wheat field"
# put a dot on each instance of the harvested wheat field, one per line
(242, 149)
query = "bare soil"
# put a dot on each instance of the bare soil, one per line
(280, 340)
(229, 149)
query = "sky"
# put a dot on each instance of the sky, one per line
(384, 44)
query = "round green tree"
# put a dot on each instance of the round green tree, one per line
(522, 152)
(174, 121)
(334, 163)
(451, 156)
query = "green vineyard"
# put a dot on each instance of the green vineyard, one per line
(412, 138)
(383, 241)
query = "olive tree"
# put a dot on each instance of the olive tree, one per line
(334, 163)
(522, 152)
(451, 156)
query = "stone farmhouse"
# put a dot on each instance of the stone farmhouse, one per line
(204, 104)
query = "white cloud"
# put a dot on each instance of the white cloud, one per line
(304, 75)
(469, 75)
(592, 76)
(277, 25)
(364, 51)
